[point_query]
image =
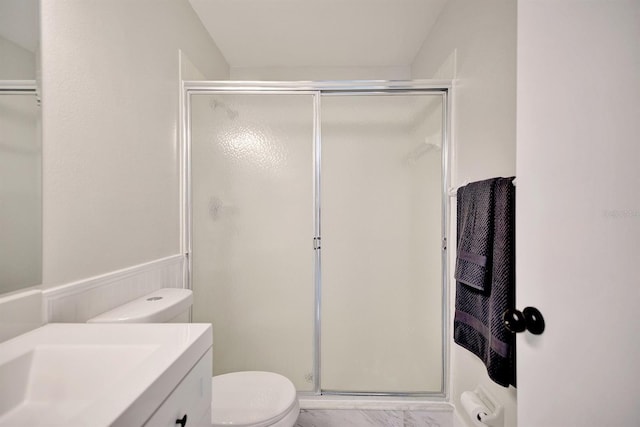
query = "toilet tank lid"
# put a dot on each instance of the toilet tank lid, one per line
(157, 307)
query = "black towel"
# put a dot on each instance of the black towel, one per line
(475, 233)
(478, 324)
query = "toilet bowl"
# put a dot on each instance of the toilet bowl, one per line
(245, 399)
(256, 399)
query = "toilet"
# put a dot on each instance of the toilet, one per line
(246, 399)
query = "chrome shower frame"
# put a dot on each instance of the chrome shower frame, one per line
(442, 88)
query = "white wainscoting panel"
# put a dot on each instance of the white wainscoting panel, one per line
(81, 300)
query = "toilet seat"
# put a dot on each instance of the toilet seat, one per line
(252, 398)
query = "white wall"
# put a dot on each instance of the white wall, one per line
(17, 62)
(20, 193)
(20, 179)
(320, 73)
(110, 118)
(475, 43)
(20, 312)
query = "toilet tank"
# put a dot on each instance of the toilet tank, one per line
(166, 305)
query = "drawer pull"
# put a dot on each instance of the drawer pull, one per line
(182, 421)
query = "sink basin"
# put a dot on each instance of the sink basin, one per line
(95, 374)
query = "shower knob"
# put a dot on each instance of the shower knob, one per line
(528, 319)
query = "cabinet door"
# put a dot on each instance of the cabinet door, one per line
(192, 397)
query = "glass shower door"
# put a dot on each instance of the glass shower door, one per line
(381, 244)
(252, 230)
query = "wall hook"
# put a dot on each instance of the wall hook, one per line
(530, 319)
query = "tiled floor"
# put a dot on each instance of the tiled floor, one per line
(372, 418)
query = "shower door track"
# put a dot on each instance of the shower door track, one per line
(318, 89)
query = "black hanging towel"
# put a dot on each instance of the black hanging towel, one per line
(485, 274)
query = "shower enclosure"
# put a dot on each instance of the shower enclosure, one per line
(315, 218)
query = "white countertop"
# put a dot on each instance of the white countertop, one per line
(95, 374)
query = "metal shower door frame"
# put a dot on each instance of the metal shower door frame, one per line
(317, 90)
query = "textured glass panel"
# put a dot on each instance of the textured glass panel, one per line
(381, 251)
(252, 229)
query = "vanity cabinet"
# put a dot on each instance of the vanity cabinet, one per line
(191, 397)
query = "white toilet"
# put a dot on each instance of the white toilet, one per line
(247, 399)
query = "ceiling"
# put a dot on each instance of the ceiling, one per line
(318, 33)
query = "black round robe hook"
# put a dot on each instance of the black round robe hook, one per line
(534, 320)
(514, 320)
(530, 319)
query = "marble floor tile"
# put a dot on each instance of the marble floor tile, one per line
(427, 419)
(349, 418)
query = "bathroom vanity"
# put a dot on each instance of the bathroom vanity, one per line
(107, 375)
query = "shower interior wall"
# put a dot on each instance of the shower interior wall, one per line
(359, 302)
(382, 276)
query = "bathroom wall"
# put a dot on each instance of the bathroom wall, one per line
(321, 73)
(20, 192)
(17, 62)
(475, 43)
(110, 73)
(20, 183)
(20, 312)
